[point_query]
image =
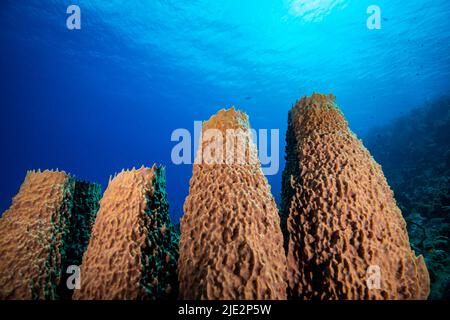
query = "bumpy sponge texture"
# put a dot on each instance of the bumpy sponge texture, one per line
(231, 243)
(85, 205)
(342, 216)
(132, 252)
(32, 233)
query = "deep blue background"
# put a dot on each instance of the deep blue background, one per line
(108, 96)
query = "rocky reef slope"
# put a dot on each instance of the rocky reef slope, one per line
(343, 223)
(231, 244)
(414, 151)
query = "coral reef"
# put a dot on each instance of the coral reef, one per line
(132, 253)
(414, 151)
(338, 215)
(36, 235)
(231, 244)
(343, 220)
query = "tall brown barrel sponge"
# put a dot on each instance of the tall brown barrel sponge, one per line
(133, 250)
(231, 244)
(45, 230)
(342, 215)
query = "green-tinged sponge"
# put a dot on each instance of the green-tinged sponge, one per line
(37, 240)
(133, 250)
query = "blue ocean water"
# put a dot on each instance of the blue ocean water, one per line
(108, 96)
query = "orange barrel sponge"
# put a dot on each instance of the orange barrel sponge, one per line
(231, 243)
(133, 250)
(347, 237)
(36, 234)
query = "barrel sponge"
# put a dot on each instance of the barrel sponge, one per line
(231, 243)
(32, 233)
(85, 205)
(132, 252)
(343, 220)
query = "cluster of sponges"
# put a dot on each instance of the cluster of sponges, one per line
(43, 232)
(133, 250)
(345, 236)
(231, 243)
(132, 253)
(343, 225)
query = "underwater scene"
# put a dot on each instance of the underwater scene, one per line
(225, 150)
